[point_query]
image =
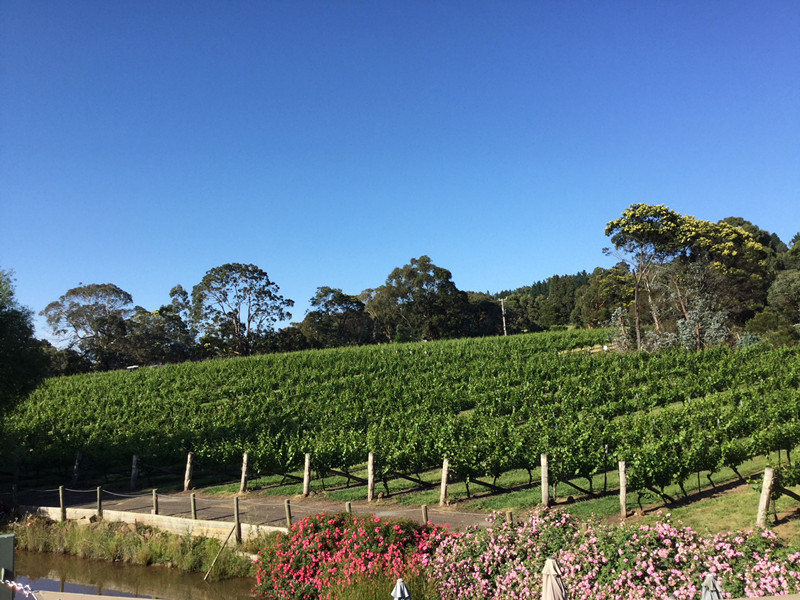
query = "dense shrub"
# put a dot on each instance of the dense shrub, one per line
(610, 563)
(324, 553)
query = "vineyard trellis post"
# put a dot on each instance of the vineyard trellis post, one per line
(76, 468)
(623, 491)
(766, 494)
(243, 484)
(370, 477)
(237, 522)
(424, 514)
(307, 476)
(135, 472)
(443, 490)
(287, 507)
(155, 502)
(545, 480)
(99, 502)
(194, 506)
(187, 478)
(61, 504)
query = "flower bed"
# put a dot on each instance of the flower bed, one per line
(610, 563)
(324, 554)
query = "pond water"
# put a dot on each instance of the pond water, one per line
(61, 573)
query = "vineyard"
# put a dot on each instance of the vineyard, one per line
(489, 405)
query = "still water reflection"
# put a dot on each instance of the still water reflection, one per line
(58, 572)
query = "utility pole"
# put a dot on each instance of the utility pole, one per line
(503, 308)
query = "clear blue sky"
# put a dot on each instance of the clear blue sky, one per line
(143, 143)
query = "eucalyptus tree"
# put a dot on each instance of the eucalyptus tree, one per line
(93, 319)
(23, 362)
(700, 278)
(645, 237)
(234, 306)
(336, 319)
(419, 301)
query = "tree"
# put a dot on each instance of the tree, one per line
(337, 319)
(784, 295)
(522, 313)
(236, 304)
(738, 267)
(485, 315)
(607, 290)
(645, 236)
(160, 336)
(23, 362)
(93, 319)
(419, 301)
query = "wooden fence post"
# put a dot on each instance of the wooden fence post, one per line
(766, 493)
(99, 502)
(370, 477)
(237, 522)
(623, 491)
(187, 478)
(135, 472)
(348, 508)
(61, 503)
(155, 502)
(288, 509)
(243, 484)
(307, 476)
(424, 514)
(443, 490)
(194, 506)
(76, 468)
(545, 480)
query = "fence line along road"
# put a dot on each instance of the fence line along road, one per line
(266, 512)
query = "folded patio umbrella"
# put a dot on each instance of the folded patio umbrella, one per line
(710, 590)
(400, 591)
(552, 585)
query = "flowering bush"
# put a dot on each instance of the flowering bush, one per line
(609, 563)
(321, 554)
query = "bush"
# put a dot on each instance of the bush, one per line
(323, 554)
(607, 562)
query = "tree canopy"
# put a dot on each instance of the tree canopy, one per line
(234, 305)
(93, 318)
(680, 281)
(23, 362)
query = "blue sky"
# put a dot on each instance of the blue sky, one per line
(143, 143)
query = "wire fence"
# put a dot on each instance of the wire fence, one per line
(259, 512)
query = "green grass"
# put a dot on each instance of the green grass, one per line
(731, 505)
(136, 544)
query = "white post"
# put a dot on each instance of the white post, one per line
(243, 483)
(545, 480)
(445, 473)
(135, 472)
(187, 478)
(766, 493)
(623, 491)
(370, 477)
(307, 476)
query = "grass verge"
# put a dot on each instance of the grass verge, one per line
(135, 544)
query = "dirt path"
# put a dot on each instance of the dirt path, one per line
(256, 510)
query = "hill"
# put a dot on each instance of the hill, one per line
(490, 405)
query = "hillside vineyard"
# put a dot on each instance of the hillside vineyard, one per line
(489, 405)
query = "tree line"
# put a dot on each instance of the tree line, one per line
(679, 281)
